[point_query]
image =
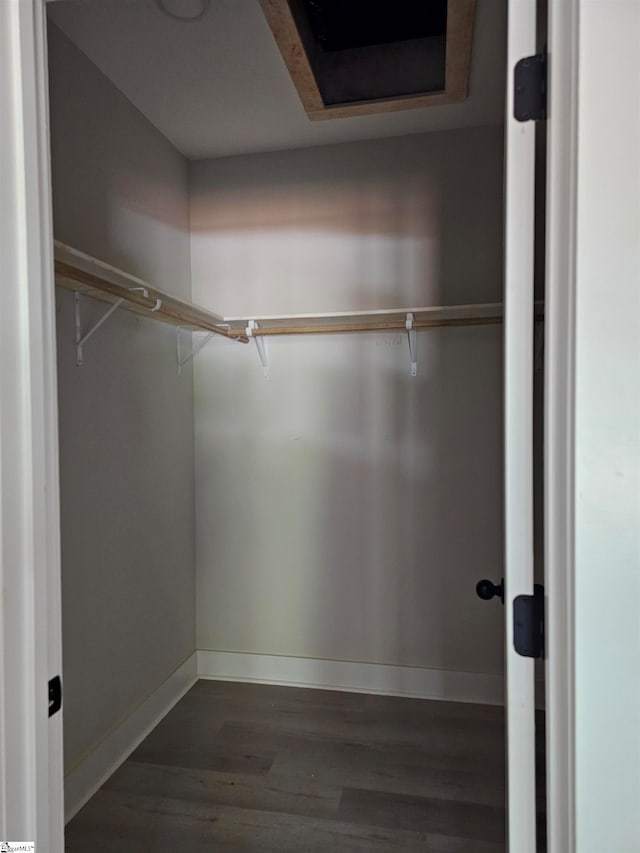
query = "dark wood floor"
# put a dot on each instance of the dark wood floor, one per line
(239, 767)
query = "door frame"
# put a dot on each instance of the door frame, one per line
(592, 400)
(31, 757)
(31, 806)
(559, 421)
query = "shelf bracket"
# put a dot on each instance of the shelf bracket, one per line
(261, 346)
(82, 339)
(413, 347)
(183, 360)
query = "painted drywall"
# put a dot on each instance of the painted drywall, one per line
(345, 510)
(120, 193)
(218, 86)
(607, 430)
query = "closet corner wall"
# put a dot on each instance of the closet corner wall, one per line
(347, 508)
(120, 193)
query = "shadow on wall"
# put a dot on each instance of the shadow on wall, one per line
(412, 507)
(346, 510)
(120, 193)
(120, 190)
(413, 221)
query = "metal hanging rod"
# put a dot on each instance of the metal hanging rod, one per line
(84, 274)
(400, 325)
(385, 320)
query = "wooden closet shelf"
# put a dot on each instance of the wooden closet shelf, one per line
(379, 321)
(84, 274)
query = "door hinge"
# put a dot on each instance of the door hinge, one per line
(55, 695)
(528, 623)
(530, 88)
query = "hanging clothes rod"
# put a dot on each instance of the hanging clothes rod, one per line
(379, 326)
(84, 274)
(386, 320)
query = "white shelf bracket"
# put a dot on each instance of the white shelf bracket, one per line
(194, 349)
(261, 346)
(413, 347)
(82, 339)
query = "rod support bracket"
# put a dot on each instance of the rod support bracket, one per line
(81, 339)
(145, 293)
(195, 349)
(261, 346)
(413, 348)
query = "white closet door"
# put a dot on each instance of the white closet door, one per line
(518, 426)
(31, 787)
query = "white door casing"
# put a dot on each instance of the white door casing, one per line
(592, 428)
(30, 744)
(559, 428)
(518, 430)
(31, 786)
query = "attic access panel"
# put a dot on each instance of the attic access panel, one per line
(359, 57)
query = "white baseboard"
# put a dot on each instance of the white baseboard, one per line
(484, 688)
(83, 781)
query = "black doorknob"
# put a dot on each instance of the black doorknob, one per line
(488, 590)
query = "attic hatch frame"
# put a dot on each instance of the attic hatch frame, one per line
(459, 32)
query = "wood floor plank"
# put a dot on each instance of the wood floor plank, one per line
(269, 792)
(258, 768)
(460, 785)
(141, 824)
(409, 718)
(445, 752)
(265, 694)
(422, 814)
(207, 755)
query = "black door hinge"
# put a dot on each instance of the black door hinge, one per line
(55, 695)
(528, 623)
(530, 88)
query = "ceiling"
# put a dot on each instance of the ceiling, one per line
(218, 86)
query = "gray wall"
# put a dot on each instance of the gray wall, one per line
(344, 509)
(126, 419)
(604, 468)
